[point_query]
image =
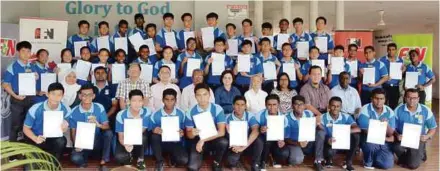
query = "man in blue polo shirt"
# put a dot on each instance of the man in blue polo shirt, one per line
(243, 78)
(178, 152)
(380, 74)
(266, 57)
(105, 94)
(254, 145)
(248, 34)
(187, 20)
(144, 56)
(300, 35)
(392, 85)
(182, 59)
(139, 21)
(82, 35)
(168, 21)
(88, 111)
(197, 145)
(33, 124)
(41, 67)
(321, 23)
(335, 116)
(376, 155)
(211, 21)
(426, 76)
(412, 112)
(338, 52)
(103, 28)
(214, 79)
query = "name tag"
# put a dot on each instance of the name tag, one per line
(420, 119)
(329, 125)
(107, 92)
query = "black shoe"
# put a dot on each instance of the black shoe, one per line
(255, 167)
(348, 167)
(140, 165)
(318, 166)
(328, 163)
(159, 166)
(103, 167)
(216, 166)
(263, 166)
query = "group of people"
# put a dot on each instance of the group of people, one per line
(232, 95)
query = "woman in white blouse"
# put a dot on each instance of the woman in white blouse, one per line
(285, 93)
(71, 89)
(255, 96)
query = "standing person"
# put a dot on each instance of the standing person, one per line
(392, 85)
(266, 57)
(105, 94)
(82, 35)
(284, 27)
(337, 53)
(256, 68)
(225, 94)
(285, 93)
(103, 29)
(168, 21)
(287, 58)
(426, 76)
(219, 48)
(380, 74)
(248, 34)
(41, 67)
(321, 24)
(187, 20)
(352, 57)
(300, 35)
(139, 21)
(211, 21)
(182, 62)
(167, 55)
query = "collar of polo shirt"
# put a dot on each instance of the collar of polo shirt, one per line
(199, 109)
(292, 115)
(419, 109)
(174, 113)
(330, 118)
(235, 118)
(141, 111)
(82, 110)
(46, 106)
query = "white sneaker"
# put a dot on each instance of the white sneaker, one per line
(369, 167)
(277, 166)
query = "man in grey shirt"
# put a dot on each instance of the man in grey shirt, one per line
(316, 93)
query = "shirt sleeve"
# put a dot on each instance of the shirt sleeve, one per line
(363, 118)
(383, 70)
(102, 115)
(189, 123)
(430, 120)
(119, 125)
(350, 120)
(429, 73)
(8, 76)
(160, 40)
(29, 120)
(220, 117)
(330, 43)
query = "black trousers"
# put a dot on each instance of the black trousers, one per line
(271, 147)
(219, 146)
(412, 158)
(123, 157)
(254, 149)
(178, 153)
(54, 146)
(365, 97)
(354, 143)
(19, 108)
(422, 95)
(393, 95)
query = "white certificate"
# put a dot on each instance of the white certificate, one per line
(321, 64)
(137, 41)
(205, 124)
(170, 39)
(187, 35)
(341, 134)
(26, 84)
(411, 79)
(173, 70)
(147, 72)
(150, 43)
(192, 65)
(270, 38)
(218, 64)
(244, 63)
(232, 47)
(270, 71)
(396, 70)
(289, 68)
(337, 65)
(47, 79)
(62, 67)
(282, 38)
(411, 135)
(121, 43)
(208, 37)
(369, 76)
(353, 68)
(78, 45)
(307, 129)
(118, 73)
(238, 133)
(92, 70)
(302, 49)
(321, 43)
(85, 135)
(52, 121)
(253, 43)
(132, 131)
(170, 129)
(377, 132)
(275, 127)
(103, 42)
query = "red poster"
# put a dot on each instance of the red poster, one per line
(361, 38)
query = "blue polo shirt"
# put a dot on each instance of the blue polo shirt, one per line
(219, 33)
(368, 112)
(242, 38)
(304, 37)
(380, 71)
(155, 118)
(13, 70)
(94, 45)
(354, 80)
(184, 80)
(293, 124)
(159, 64)
(181, 38)
(248, 117)
(135, 30)
(40, 69)
(216, 111)
(225, 98)
(327, 122)
(330, 43)
(35, 116)
(425, 73)
(256, 68)
(79, 114)
(270, 58)
(335, 77)
(106, 95)
(262, 118)
(293, 84)
(144, 114)
(160, 37)
(215, 80)
(423, 116)
(77, 38)
(279, 53)
(140, 61)
(387, 62)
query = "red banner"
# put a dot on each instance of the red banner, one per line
(361, 38)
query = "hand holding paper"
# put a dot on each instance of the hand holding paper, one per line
(341, 135)
(205, 124)
(170, 129)
(26, 84)
(377, 132)
(307, 129)
(275, 128)
(85, 135)
(52, 121)
(133, 131)
(411, 135)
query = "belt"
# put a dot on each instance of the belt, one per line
(392, 85)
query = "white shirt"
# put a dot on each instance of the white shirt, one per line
(189, 100)
(255, 100)
(350, 98)
(157, 92)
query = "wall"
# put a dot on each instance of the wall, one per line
(12, 10)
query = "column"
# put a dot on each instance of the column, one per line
(340, 15)
(258, 14)
(313, 15)
(287, 14)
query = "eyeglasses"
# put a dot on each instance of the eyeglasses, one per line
(87, 95)
(298, 104)
(412, 98)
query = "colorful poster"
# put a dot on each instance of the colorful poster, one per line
(361, 38)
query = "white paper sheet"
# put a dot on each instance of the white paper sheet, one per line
(411, 135)
(85, 135)
(376, 132)
(337, 65)
(147, 72)
(275, 128)
(62, 67)
(270, 71)
(52, 121)
(150, 43)
(321, 43)
(232, 47)
(205, 124)
(118, 73)
(170, 39)
(132, 131)
(26, 84)
(170, 129)
(208, 37)
(47, 79)
(92, 70)
(395, 70)
(289, 68)
(253, 43)
(103, 42)
(78, 45)
(244, 63)
(369, 76)
(137, 41)
(307, 129)
(191, 65)
(353, 68)
(238, 133)
(281, 39)
(187, 35)
(411, 79)
(270, 38)
(320, 63)
(302, 49)
(173, 70)
(218, 64)
(341, 133)
(121, 43)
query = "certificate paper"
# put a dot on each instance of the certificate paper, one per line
(170, 129)
(411, 79)
(289, 68)
(353, 68)
(321, 43)
(282, 38)
(26, 84)
(307, 129)
(244, 63)
(411, 135)
(118, 73)
(150, 43)
(47, 79)
(132, 131)
(187, 35)
(205, 124)
(337, 65)
(218, 64)
(137, 41)
(78, 45)
(170, 39)
(52, 121)
(341, 133)
(121, 43)
(275, 128)
(238, 133)
(302, 49)
(147, 72)
(85, 135)
(82, 69)
(208, 37)
(103, 43)
(395, 70)
(192, 65)
(377, 132)
(321, 64)
(233, 47)
(270, 71)
(369, 76)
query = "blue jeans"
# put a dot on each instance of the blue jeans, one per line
(102, 142)
(379, 156)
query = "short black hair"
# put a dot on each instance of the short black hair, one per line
(286, 44)
(167, 47)
(335, 98)
(168, 15)
(64, 51)
(298, 98)
(272, 97)
(190, 39)
(149, 25)
(342, 74)
(264, 39)
(339, 47)
(238, 98)
(99, 68)
(83, 22)
(313, 47)
(105, 50)
(246, 42)
(122, 22)
(186, 15)
(411, 90)
(41, 51)
(368, 47)
(212, 15)
(87, 86)
(201, 86)
(227, 72)
(102, 23)
(283, 20)
(391, 45)
(352, 45)
(266, 25)
(247, 20)
(321, 18)
(138, 15)
(378, 91)
(120, 51)
(314, 67)
(231, 25)
(169, 91)
(135, 92)
(23, 44)
(143, 47)
(220, 39)
(83, 48)
(298, 19)
(278, 81)
(412, 51)
(55, 86)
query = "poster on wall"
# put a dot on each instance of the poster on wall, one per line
(237, 11)
(361, 38)
(45, 33)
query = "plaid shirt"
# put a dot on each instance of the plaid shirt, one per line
(126, 86)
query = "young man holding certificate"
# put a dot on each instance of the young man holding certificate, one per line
(248, 34)
(211, 20)
(271, 65)
(374, 71)
(188, 59)
(425, 75)
(377, 152)
(323, 39)
(283, 24)
(415, 124)
(201, 131)
(79, 39)
(300, 36)
(94, 113)
(392, 85)
(243, 79)
(103, 41)
(290, 66)
(167, 31)
(46, 121)
(216, 63)
(144, 56)
(252, 144)
(139, 21)
(338, 66)
(131, 127)
(187, 20)
(330, 122)
(167, 126)
(41, 68)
